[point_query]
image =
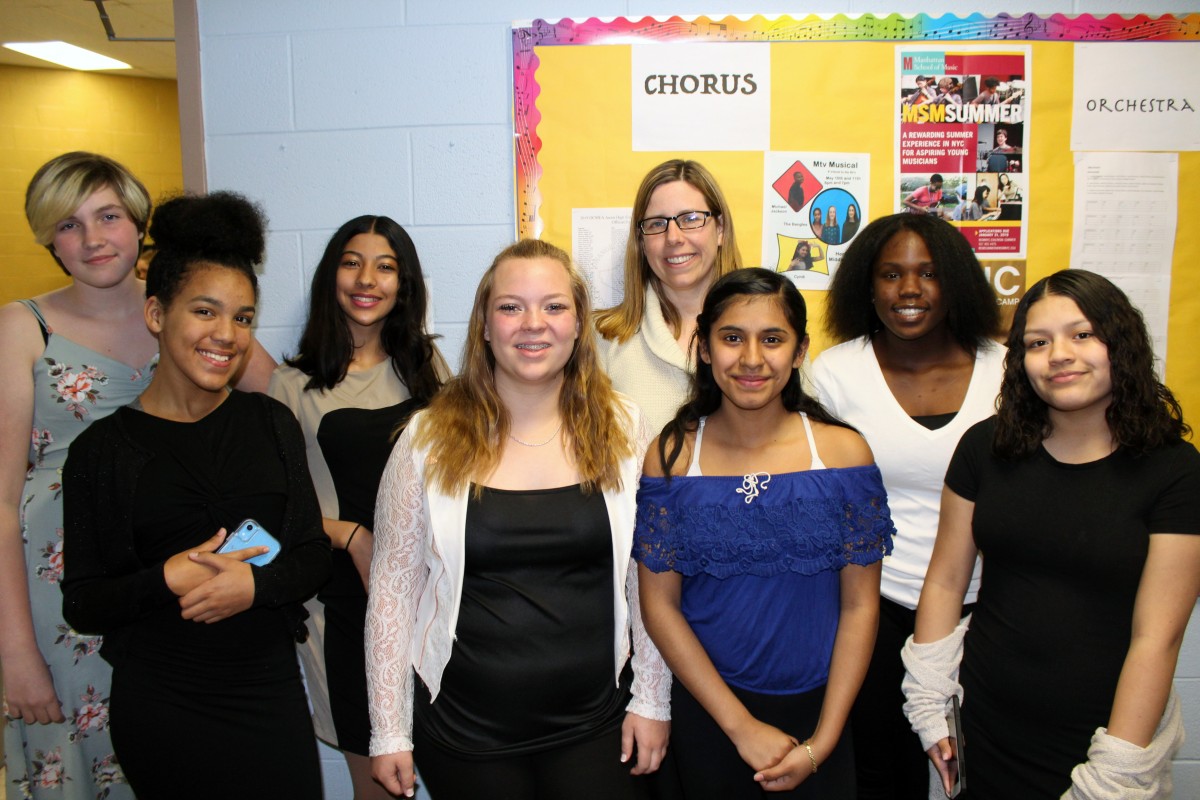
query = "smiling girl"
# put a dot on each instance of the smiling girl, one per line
(1085, 501)
(761, 523)
(71, 356)
(201, 643)
(914, 370)
(503, 602)
(365, 365)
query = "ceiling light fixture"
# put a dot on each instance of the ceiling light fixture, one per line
(67, 55)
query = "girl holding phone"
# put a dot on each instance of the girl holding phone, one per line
(201, 644)
(1085, 500)
(71, 356)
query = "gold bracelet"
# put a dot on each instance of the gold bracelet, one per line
(351, 539)
(811, 757)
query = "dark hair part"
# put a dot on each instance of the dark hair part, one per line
(705, 395)
(1143, 414)
(326, 345)
(220, 229)
(971, 315)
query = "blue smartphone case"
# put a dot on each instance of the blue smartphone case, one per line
(251, 534)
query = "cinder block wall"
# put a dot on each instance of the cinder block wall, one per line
(401, 107)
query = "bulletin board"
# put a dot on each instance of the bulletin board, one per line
(833, 91)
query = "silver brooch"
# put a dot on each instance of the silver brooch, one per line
(753, 483)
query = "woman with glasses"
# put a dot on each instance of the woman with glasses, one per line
(681, 240)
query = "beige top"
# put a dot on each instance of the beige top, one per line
(377, 387)
(650, 368)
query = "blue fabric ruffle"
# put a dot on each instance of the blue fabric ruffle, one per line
(802, 522)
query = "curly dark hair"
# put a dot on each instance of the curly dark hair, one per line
(1143, 414)
(705, 395)
(326, 346)
(972, 316)
(222, 228)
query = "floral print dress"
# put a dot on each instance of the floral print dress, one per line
(73, 386)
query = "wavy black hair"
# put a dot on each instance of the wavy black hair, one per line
(1143, 414)
(705, 395)
(972, 315)
(222, 229)
(326, 345)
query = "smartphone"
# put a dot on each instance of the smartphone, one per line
(957, 764)
(251, 534)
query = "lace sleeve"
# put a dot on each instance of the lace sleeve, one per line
(651, 676)
(398, 576)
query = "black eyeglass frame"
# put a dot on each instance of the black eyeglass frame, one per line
(675, 219)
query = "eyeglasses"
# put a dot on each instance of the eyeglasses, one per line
(687, 221)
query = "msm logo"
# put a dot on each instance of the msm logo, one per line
(907, 62)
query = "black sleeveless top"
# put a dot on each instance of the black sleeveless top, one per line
(532, 664)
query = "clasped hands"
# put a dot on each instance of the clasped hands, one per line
(781, 761)
(211, 586)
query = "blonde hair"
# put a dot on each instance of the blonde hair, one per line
(466, 424)
(62, 184)
(624, 319)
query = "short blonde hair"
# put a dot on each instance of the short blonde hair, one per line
(62, 184)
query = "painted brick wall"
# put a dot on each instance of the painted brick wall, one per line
(326, 111)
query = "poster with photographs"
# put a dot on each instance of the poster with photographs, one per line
(813, 206)
(962, 127)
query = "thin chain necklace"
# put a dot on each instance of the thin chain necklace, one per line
(553, 436)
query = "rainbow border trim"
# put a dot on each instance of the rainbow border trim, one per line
(759, 28)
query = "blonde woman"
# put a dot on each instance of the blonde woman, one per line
(502, 603)
(681, 240)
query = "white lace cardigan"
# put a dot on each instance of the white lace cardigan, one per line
(416, 587)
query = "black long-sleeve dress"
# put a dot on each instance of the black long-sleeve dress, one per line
(198, 710)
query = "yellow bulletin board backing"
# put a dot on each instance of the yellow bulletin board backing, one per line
(833, 89)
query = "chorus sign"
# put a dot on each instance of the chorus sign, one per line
(696, 97)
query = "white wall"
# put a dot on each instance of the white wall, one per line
(324, 111)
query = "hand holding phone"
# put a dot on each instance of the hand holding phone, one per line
(957, 763)
(251, 534)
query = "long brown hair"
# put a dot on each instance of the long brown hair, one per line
(466, 424)
(624, 319)
(1143, 414)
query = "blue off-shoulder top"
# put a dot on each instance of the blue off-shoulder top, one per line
(760, 557)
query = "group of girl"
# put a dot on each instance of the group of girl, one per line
(550, 585)
(829, 231)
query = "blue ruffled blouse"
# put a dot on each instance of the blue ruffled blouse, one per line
(760, 557)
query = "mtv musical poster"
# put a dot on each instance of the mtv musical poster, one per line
(813, 207)
(962, 133)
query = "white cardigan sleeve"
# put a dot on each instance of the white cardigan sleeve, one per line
(651, 676)
(398, 576)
